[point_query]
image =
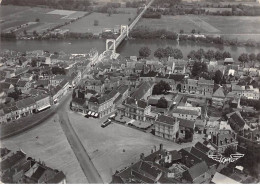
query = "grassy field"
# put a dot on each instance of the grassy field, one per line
(241, 27)
(51, 147)
(14, 16)
(86, 24)
(105, 145)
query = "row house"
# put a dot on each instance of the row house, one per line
(136, 109)
(188, 113)
(26, 106)
(11, 113)
(96, 85)
(76, 77)
(42, 102)
(59, 91)
(201, 86)
(103, 105)
(246, 91)
(167, 127)
(143, 91)
(24, 86)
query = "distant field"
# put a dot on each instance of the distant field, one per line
(86, 24)
(14, 16)
(241, 27)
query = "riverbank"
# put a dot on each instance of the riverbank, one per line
(126, 48)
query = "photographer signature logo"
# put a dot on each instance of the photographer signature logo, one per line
(221, 159)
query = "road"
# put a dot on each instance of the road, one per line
(84, 160)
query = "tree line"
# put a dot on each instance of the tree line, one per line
(57, 4)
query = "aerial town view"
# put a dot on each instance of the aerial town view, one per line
(130, 91)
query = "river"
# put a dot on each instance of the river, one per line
(127, 48)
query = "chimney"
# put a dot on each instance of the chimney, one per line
(192, 162)
(161, 147)
(142, 156)
(136, 102)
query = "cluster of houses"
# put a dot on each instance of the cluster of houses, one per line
(33, 81)
(16, 167)
(190, 165)
(125, 86)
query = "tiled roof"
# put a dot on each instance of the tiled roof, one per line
(197, 170)
(21, 83)
(79, 101)
(202, 147)
(5, 85)
(207, 82)
(40, 97)
(184, 111)
(203, 156)
(25, 102)
(237, 119)
(142, 90)
(57, 178)
(149, 169)
(12, 160)
(12, 81)
(187, 123)
(38, 173)
(166, 119)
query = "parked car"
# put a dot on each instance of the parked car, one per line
(106, 123)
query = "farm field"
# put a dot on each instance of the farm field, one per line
(86, 24)
(243, 28)
(51, 146)
(14, 16)
(116, 146)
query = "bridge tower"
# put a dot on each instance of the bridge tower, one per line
(123, 29)
(113, 45)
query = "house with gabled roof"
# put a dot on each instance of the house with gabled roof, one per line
(24, 86)
(42, 102)
(218, 96)
(236, 121)
(197, 174)
(26, 106)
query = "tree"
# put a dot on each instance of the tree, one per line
(109, 11)
(193, 31)
(34, 62)
(96, 22)
(229, 150)
(177, 54)
(169, 51)
(161, 87)
(35, 33)
(198, 68)
(144, 52)
(181, 31)
(243, 58)
(210, 54)
(15, 94)
(226, 54)
(252, 57)
(24, 32)
(218, 55)
(160, 53)
(191, 55)
(218, 77)
(37, 20)
(200, 54)
(258, 57)
(162, 103)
